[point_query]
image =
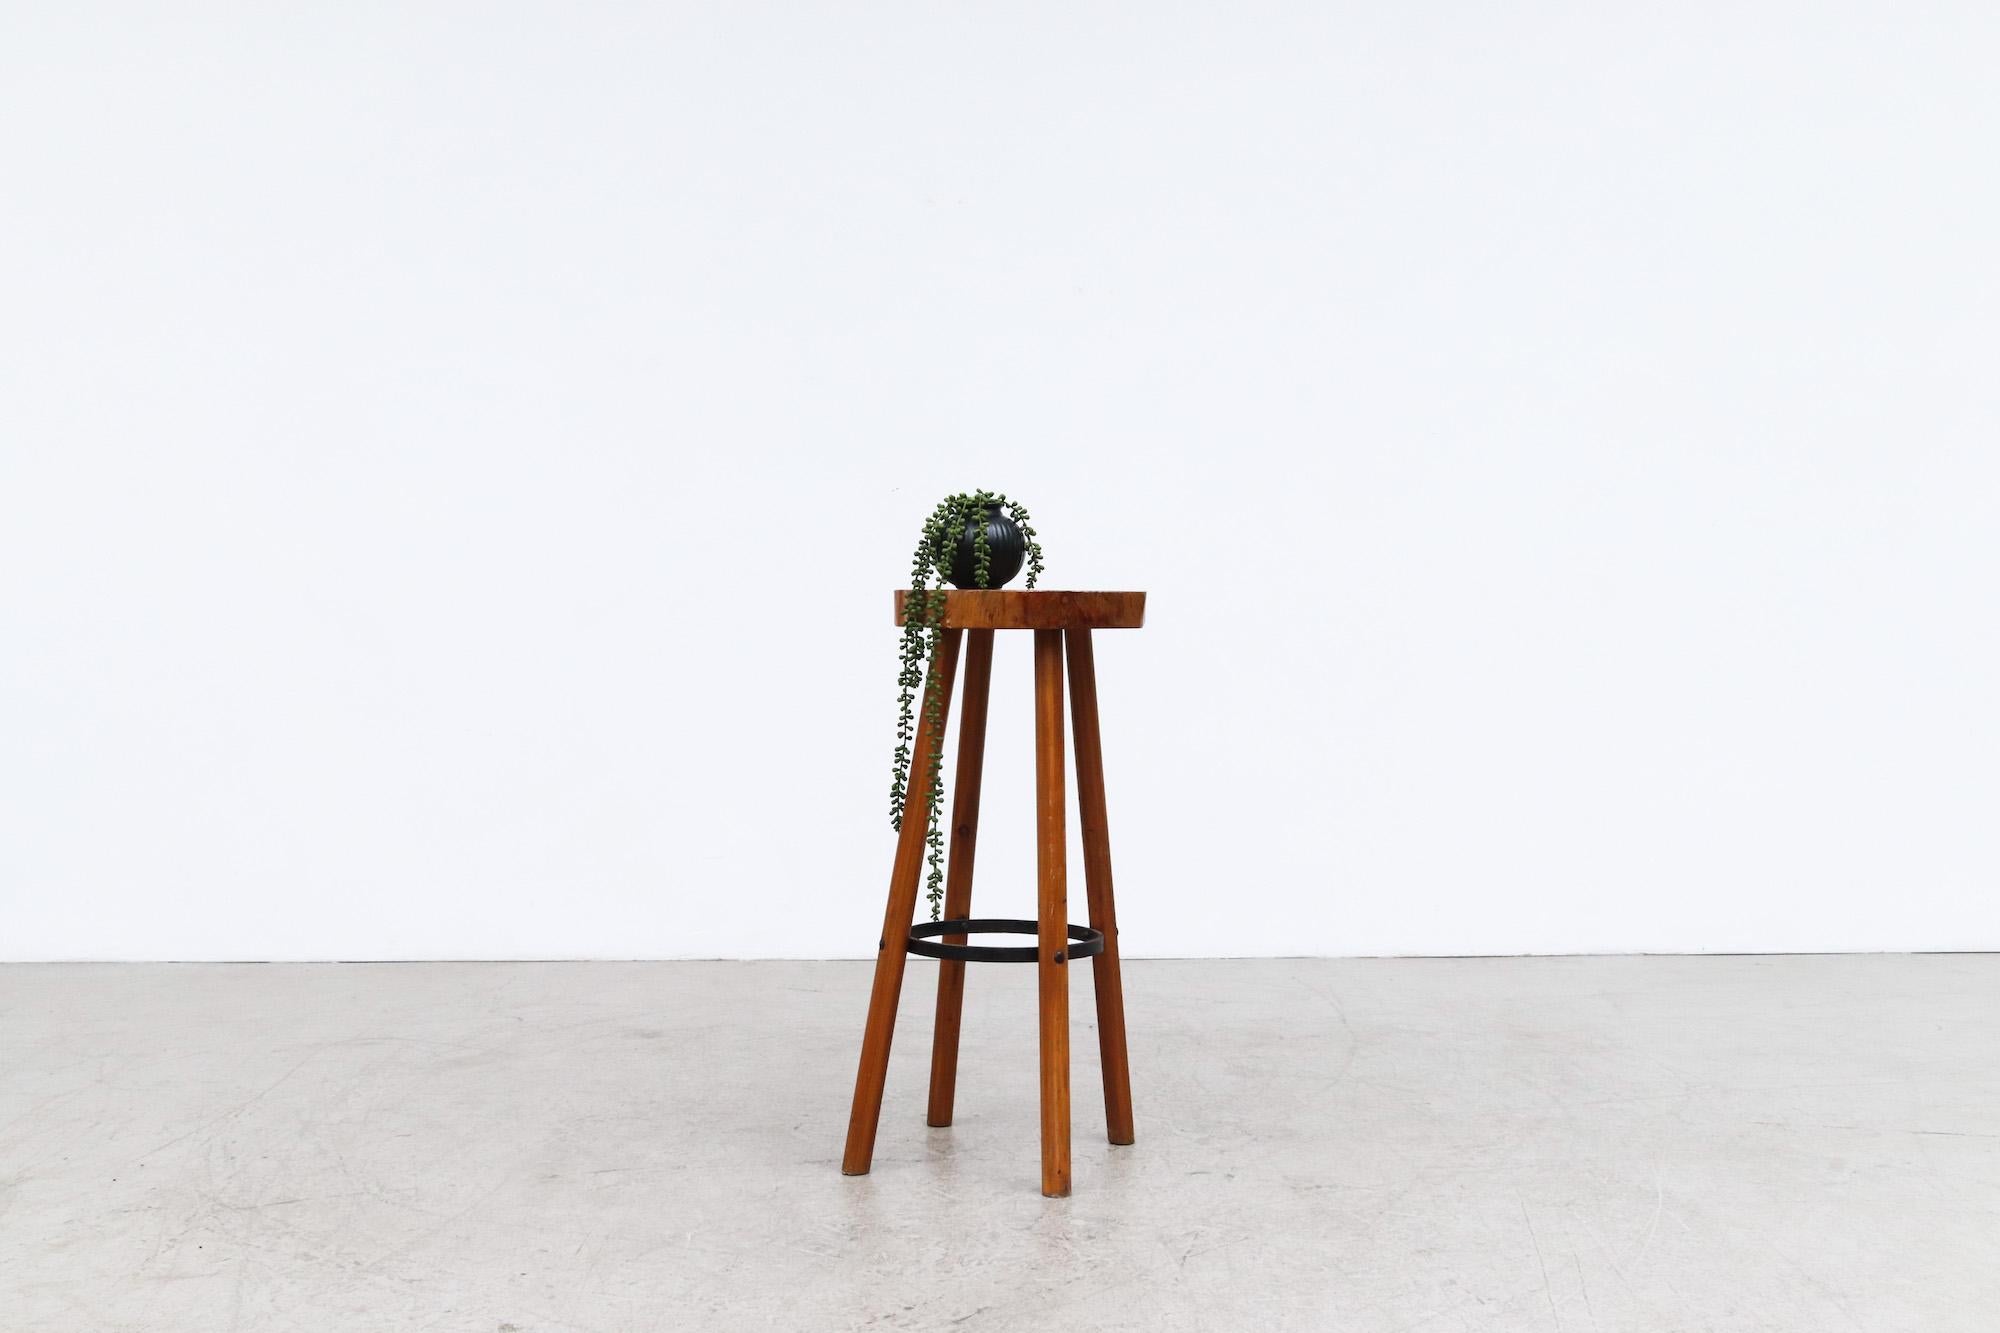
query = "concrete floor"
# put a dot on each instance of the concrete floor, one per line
(1544, 1144)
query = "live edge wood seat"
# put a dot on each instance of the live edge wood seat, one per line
(1062, 623)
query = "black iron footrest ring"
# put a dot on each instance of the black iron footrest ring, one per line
(1084, 942)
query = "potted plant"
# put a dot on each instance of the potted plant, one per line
(976, 539)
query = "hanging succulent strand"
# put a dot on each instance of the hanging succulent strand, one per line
(923, 632)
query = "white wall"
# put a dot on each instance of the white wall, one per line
(456, 458)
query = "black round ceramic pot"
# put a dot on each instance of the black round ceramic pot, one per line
(1006, 549)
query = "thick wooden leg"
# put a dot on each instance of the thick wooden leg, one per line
(1052, 911)
(958, 874)
(1097, 885)
(890, 954)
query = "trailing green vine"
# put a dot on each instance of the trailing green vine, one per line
(923, 632)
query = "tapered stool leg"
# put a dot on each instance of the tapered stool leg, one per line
(1052, 911)
(890, 951)
(1097, 885)
(958, 873)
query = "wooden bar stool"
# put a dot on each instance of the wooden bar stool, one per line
(1062, 622)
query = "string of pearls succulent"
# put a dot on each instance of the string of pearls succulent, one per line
(923, 631)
